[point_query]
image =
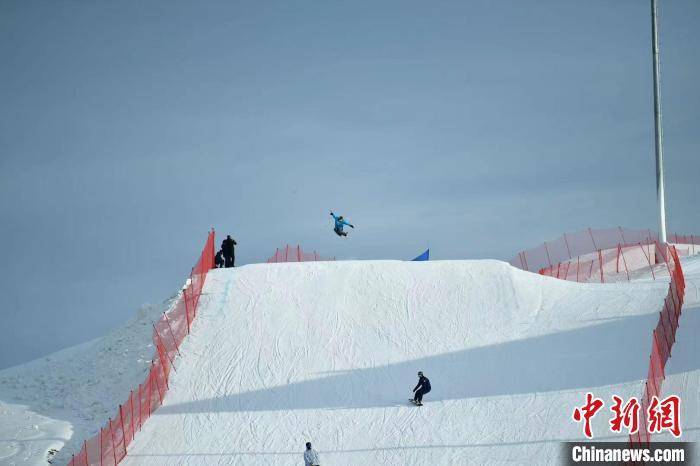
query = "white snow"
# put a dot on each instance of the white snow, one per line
(58, 401)
(282, 354)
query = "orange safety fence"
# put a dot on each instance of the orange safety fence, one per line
(109, 446)
(295, 254)
(663, 338)
(605, 255)
(614, 254)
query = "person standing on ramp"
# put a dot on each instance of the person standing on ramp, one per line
(229, 254)
(219, 259)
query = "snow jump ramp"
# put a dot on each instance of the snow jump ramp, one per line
(327, 352)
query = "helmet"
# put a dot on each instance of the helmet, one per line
(420, 374)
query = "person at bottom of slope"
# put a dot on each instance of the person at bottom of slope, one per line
(421, 389)
(339, 222)
(311, 456)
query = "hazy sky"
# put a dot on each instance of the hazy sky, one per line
(128, 129)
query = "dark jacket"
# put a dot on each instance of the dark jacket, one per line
(423, 383)
(227, 246)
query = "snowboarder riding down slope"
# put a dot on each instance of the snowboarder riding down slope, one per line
(421, 389)
(339, 222)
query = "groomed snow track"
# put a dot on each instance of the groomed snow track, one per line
(281, 354)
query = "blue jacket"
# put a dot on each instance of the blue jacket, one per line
(339, 223)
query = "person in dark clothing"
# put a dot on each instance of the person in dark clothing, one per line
(229, 254)
(219, 259)
(421, 389)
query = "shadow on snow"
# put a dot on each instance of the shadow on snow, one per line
(597, 355)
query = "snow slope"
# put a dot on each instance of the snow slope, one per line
(281, 354)
(57, 401)
(285, 353)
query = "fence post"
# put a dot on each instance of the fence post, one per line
(213, 249)
(121, 419)
(624, 261)
(160, 352)
(662, 250)
(149, 381)
(171, 332)
(101, 452)
(567, 246)
(87, 461)
(673, 298)
(648, 260)
(140, 407)
(547, 251)
(187, 309)
(692, 241)
(131, 400)
(160, 395)
(619, 228)
(600, 259)
(673, 324)
(286, 253)
(678, 310)
(161, 392)
(590, 232)
(657, 387)
(111, 433)
(665, 332)
(675, 320)
(164, 362)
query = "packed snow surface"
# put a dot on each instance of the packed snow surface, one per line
(282, 354)
(56, 402)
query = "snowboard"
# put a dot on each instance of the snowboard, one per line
(415, 402)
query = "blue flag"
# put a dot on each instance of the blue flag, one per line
(423, 257)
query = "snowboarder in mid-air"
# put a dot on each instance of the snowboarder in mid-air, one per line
(421, 389)
(339, 222)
